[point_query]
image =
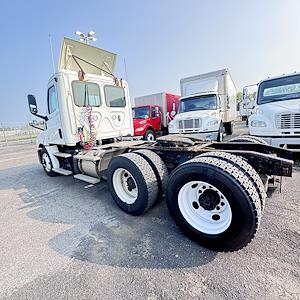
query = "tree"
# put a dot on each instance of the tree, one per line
(239, 97)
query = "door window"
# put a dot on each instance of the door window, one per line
(52, 100)
(114, 96)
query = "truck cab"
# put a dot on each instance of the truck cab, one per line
(276, 116)
(204, 105)
(207, 107)
(86, 104)
(147, 121)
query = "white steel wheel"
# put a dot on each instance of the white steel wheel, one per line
(204, 207)
(150, 137)
(125, 186)
(46, 162)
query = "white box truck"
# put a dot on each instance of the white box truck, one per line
(207, 107)
(276, 116)
(215, 197)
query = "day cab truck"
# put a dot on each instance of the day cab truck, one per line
(276, 116)
(152, 114)
(207, 107)
(215, 192)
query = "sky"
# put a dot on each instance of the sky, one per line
(162, 41)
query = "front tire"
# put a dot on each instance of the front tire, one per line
(132, 183)
(201, 186)
(220, 137)
(228, 128)
(149, 135)
(47, 163)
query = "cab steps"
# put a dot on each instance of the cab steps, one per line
(86, 178)
(62, 171)
(62, 154)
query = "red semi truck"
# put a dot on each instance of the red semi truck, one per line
(152, 114)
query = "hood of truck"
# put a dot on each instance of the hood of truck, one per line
(82, 52)
(292, 106)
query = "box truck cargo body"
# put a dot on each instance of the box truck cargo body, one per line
(167, 102)
(207, 107)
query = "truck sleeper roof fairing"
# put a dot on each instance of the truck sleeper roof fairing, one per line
(103, 59)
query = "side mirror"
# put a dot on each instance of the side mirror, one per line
(33, 107)
(32, 104)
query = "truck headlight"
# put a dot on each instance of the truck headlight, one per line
(140, 129)
(143, 122)
(212, 123)
(257, 123)
(257, 110)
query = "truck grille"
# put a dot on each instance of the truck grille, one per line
(189, 124)
(287, 121)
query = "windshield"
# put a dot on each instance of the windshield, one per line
(205, 102)
(141, 112)
(279, 89)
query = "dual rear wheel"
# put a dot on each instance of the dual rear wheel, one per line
(216, 199)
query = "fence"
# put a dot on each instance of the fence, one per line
(17, 133)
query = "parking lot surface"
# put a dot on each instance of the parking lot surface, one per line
(64, 239)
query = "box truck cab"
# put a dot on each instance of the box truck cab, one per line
(147, 121)
(159, 109)
(86, 104)
(276, 116)
(207, 107)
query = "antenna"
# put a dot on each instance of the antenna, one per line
(125, 69)
(51, 49)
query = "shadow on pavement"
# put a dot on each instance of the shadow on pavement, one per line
(101, 233)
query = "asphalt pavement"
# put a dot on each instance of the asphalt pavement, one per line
(63, 239)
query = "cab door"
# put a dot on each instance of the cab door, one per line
(155, 118)
(54, 127)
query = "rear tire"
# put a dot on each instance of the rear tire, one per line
(248, 139)
(247, 169)
(231, 226)
(159, 168)
(132, 183)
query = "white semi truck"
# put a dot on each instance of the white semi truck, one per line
(207, 106)
(213, 190)
(276, 116)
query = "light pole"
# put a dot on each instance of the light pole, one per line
(86, 37)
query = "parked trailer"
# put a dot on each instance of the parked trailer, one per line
(215, 192)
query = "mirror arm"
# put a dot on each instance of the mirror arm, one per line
(42, 117)
(31, 125)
